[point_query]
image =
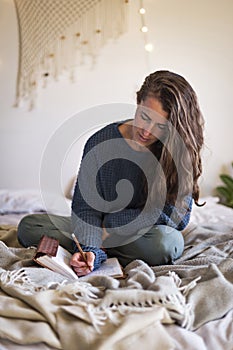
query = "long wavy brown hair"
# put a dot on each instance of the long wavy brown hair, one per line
(179, 154)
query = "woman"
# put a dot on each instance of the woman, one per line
(136, 182)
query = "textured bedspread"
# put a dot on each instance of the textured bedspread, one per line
(162, 307)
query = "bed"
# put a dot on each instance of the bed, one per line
(188, 305)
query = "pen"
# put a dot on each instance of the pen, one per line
(80, 250)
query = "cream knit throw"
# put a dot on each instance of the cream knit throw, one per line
(102, 313)
(57, 35)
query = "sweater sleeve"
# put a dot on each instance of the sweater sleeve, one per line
(86, 220)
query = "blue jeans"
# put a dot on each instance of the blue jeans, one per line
(158, 246)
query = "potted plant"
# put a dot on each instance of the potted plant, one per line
(226, 191)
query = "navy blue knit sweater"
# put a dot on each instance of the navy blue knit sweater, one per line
(101, 198)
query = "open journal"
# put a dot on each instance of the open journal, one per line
(53, 256)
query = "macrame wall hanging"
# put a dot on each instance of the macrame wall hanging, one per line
(58, 35)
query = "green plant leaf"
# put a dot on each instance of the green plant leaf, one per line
(228, 181)
(223, 191)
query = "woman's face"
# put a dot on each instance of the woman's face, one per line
(150, 122)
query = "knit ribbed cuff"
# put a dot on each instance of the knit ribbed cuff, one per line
(100, 255)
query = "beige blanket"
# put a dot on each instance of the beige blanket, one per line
(37, 305)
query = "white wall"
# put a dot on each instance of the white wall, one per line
(193, 38)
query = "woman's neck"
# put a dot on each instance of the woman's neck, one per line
(126, 130)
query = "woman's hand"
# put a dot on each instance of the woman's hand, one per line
(80, 266)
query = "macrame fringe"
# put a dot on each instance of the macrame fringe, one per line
(97, 21)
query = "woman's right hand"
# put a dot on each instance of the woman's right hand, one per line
(81, 267)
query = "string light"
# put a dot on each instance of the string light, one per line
(142, 11)
(144, 28)
(149, 47)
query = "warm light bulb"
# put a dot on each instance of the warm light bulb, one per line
(142, 11)
(149, 47)
(144, 29)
